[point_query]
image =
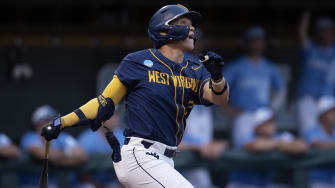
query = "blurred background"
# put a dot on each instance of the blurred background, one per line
(62, 53)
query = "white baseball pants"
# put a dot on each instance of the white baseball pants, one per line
(148, 168)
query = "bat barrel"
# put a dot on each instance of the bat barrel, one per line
(44, 175)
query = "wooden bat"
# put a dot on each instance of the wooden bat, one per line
(44, 175)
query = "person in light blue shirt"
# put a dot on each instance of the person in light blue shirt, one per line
(322, 136)
(64, 151)
(254, 81)
(317, 69)
(260, 135)
(96, 143)
(252, 77)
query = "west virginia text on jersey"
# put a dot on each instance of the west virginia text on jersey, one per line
(173, 88)
(178, 81)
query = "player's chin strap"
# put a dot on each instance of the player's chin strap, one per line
(114, 144)
(105, 111)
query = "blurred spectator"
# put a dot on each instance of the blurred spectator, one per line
(317, 69)
(322, 136)
(7, 149)
(96, 143)
(198, 137)
(254, 81)
(64, 151)
(260, 135)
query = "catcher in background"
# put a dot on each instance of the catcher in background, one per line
(160, 86)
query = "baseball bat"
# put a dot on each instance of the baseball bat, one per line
(44, 175)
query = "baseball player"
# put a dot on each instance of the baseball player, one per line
(160, 86)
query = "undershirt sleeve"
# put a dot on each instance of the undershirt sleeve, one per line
(114, 90)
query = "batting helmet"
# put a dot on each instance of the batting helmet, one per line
(160, 23)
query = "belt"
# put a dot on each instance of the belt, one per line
(168, 152)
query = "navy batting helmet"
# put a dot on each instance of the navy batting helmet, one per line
(160, 23)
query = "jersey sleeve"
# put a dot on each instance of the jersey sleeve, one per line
(127, 72)
(204, 77)
(114, 90)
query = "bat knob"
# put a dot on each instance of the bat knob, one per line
(203, 58)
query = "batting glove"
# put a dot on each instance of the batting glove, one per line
(213, 64)
(52, 130)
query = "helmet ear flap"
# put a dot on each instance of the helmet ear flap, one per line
(164, 34)
(178, 32)
(163, 31)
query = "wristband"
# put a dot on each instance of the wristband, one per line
(57, 122)
(215, 92)
(217, 83)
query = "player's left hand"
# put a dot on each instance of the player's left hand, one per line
(213, 63)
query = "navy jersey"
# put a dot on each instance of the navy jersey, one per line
(160, 94)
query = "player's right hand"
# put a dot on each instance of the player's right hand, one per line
(51, 131)
(213, 63)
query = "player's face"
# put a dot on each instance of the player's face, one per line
(188, 43)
